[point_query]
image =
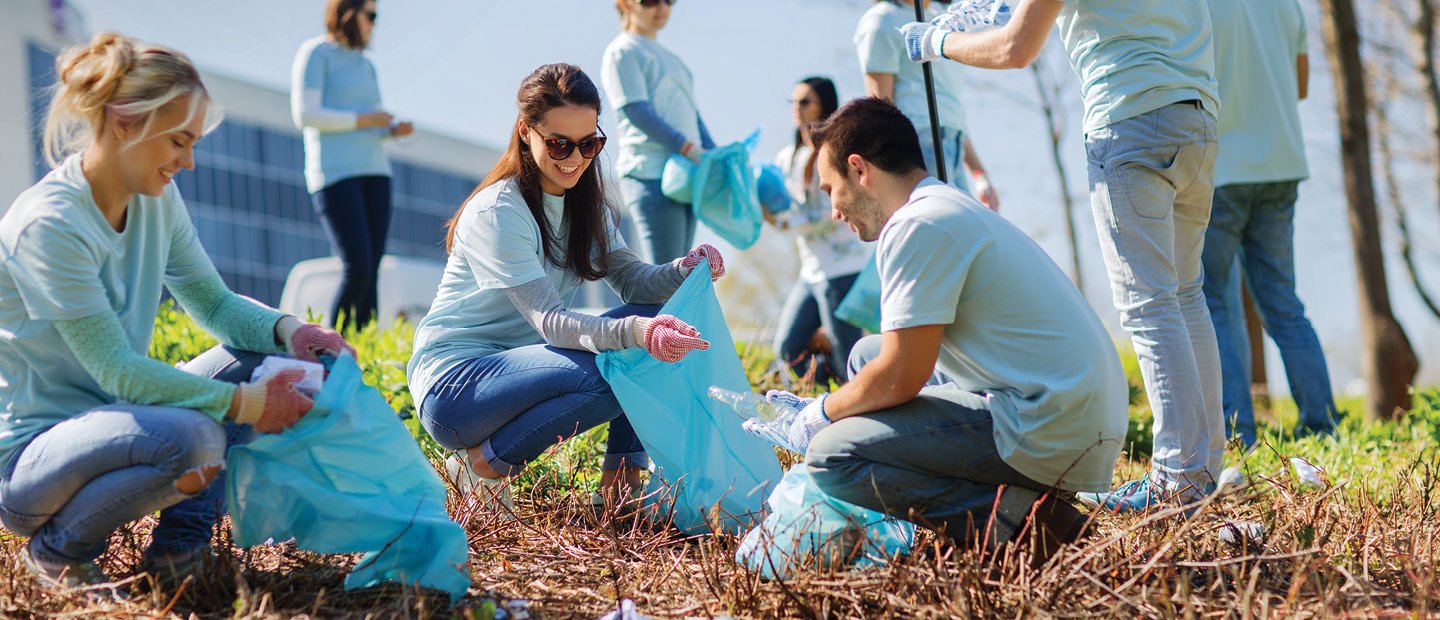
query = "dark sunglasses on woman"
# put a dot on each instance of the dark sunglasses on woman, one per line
(650, 3)
(559, 149)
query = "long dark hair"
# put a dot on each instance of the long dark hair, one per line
(829, 100)
(586, 206)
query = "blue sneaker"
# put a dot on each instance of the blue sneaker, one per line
(1142, 496)
(1133, 496)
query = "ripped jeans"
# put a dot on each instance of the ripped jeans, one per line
(83, 478)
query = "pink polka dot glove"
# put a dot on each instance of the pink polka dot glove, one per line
(669, 339)
(703, 251)
(272, 404)
(304, 341)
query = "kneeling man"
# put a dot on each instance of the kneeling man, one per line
(993, 387)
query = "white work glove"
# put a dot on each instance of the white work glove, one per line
(925, 41)
(792, 433)
(811, 419)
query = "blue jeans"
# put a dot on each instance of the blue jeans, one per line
(809, 307)
(1256, 223)
(934, 455)
(516, 404)
(82, 479)
(952, 141)
(666, 228)
(1152, 180)
(355, 214)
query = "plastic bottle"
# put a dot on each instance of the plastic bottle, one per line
(752, 406)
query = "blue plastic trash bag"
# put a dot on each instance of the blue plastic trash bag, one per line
(675, 180)
(349, 478)
(721, 189)
(803, 520)
(695, 442)
(861, 306)
(770, 186)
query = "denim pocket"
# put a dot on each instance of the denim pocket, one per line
(1141, 181)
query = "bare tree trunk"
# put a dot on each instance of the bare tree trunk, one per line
(1424, 34)
(1048, 97)
(1259, 383)
(1396, 197)
(1387, 361)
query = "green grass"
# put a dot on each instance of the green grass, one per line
(1363, 544)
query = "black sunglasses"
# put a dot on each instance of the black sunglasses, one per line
(373, 15)
(560, 148)
(803, 101)
(650, 3)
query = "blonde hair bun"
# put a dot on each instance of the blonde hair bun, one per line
(126, 78)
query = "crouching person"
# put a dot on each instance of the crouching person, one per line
(993, 384)
(503, 369)
(93, 433)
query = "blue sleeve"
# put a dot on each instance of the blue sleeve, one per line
(642, 115)
(705, 141)
(313, 75)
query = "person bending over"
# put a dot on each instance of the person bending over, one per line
(993, 385)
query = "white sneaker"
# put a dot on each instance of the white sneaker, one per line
(458, 472)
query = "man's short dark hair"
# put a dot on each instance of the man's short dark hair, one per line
(874, 129)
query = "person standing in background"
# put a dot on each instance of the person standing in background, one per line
(1147, 73)
(335, 101)
(831, 255)
(1263, 68)
(891, 76)
(653, 94)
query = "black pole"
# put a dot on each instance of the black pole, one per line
(940, 171)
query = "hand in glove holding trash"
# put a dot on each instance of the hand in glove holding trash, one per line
(271, 404)
(925, 41)
(307, 342)
(689, 261)
(791, 432)
(667, 338)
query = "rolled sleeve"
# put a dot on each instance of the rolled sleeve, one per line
(624, 77)
(502, 248)
(880, 50)
(919, 283)
(56, 273)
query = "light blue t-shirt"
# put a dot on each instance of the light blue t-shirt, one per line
(1016, 331)
(638, 69)
(1134, 56)
(1256, 45)
(497, 246)
(348, 83)
(882, 50)
(60, 260)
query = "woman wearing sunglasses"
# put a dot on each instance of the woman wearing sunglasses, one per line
(335, 101)
(654, 95)
(503, 370)
(831, 255)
